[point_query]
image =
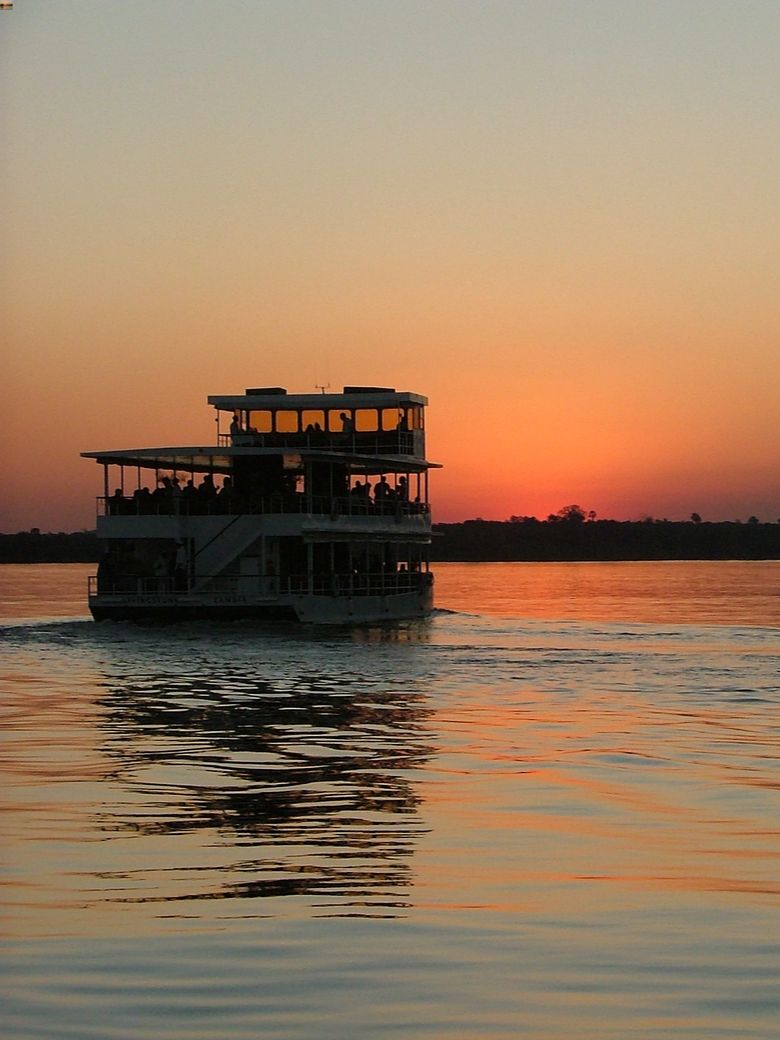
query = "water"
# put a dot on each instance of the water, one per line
(551, 811)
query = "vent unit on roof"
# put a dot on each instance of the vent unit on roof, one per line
(369, 390)
(264, 391)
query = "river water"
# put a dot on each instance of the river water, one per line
(551, 811)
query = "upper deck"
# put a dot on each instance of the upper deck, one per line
(306, 448)
(360, 420)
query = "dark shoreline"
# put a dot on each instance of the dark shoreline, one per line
(35, 547)
(549, 541)
(495, 541)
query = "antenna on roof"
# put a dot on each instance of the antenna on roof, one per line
(322, 386)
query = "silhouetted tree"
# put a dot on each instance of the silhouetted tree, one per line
(696, 519)
(572, 514)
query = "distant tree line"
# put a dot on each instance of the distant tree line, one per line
(34, 547)
(573, 534)
(570, 534)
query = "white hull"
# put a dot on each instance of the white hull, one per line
(316, 610)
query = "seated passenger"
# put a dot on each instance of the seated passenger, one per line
(207, 492)
(162, 496)
(359, 496)
(382, 493)
(181, 566)
(225, 496)
(142, 497)
(189, 497)
(161, 571)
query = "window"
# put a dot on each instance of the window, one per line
(260, 421)
(287, 422)
(312, 416)
(392, 418)
(366, 420)
(335, 422)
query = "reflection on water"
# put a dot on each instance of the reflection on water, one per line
(207, 762)
(303, 782)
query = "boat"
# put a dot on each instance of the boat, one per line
(309, 507)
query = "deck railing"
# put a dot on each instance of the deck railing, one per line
(382, 442)
(234, 504)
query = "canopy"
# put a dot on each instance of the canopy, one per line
(220, 460)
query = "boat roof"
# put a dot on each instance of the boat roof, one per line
(220, 460)
(275, 398)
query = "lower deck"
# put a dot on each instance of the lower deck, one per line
(373, 602)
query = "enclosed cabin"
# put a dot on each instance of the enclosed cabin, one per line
(324, 447)
(364, 420)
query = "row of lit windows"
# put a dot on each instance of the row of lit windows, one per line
(334, 420)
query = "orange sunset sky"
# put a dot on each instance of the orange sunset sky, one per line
(558, 220)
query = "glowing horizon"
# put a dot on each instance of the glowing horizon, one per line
(557, 221)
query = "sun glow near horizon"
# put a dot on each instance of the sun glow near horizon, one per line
(556, 221)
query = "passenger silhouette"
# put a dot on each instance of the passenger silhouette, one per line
(382, 492)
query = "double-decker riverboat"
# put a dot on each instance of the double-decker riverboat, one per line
(310, 507)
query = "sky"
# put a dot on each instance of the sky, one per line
(558, 220)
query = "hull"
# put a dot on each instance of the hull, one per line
(315, 610)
